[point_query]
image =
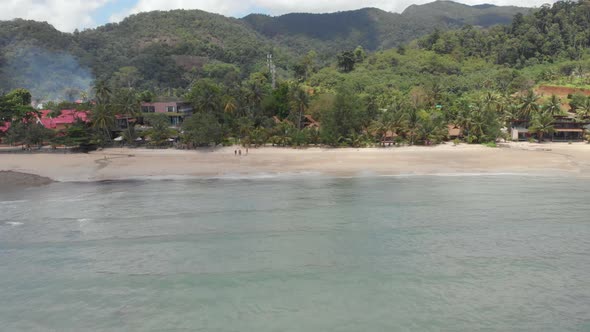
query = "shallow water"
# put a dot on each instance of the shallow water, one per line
(312, 253)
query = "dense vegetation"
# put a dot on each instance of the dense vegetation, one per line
(479, 80)
(163, 51)
(373, 28)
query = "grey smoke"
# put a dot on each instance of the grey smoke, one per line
(47, 74)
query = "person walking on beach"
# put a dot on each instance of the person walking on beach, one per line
(246, 151)
(235, 152)
(240, 152)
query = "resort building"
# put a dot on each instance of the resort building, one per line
(61, 122)
(176, 110)
(64, 120)
(568, 128)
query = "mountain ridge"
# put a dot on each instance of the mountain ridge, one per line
(162, 48)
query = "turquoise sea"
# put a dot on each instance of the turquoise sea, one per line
(307, 253)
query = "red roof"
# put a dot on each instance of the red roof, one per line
(66, 117)
(4, 127)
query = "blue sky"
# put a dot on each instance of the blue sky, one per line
(67, 15)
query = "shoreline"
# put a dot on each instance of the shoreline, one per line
(115, 164)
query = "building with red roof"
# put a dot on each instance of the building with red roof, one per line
(61, 122)
(4, 127)
(64, 120)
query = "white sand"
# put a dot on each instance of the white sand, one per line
(116, 163)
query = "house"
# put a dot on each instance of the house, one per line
(61, 122)
(454, 131)
(4, 127)
(306, 122)
(309, 122)
(176, 110)
(64, 120)
(567, 128)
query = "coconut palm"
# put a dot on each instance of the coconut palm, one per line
(378, 129)
(490, 101)
(583, 110)
(509, 114)
(103, 119)
(300, 103)
(127, 104)
(553, 106)
(542, 124)
(230, 105)
(528, 104)
(413, 123)
(102, 91)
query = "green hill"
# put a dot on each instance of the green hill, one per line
(374, 28)
(169, 49)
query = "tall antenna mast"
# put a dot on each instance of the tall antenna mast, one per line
(272, 69)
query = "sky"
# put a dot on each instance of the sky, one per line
(67, 15)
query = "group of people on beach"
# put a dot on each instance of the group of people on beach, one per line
(239, 152)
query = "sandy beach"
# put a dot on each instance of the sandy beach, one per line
(124, 163)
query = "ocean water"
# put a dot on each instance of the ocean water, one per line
(309, 253)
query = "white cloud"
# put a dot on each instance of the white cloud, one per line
(64, 15)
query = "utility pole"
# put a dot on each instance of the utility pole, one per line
(272, 69)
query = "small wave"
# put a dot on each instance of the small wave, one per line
(14, 223)
(13, 202)
(83, 220)
(227, 176)
(464, 174)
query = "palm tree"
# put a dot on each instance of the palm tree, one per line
(230, 105)
(102, 91)
(542, 124)
(478, 121)
(128, 105)
(254, 94)
(528, 104)
(509, 114)
(300, 102)
(378, 129)
(464, 121)
(490, 102)
(283, 133)
(103, 119)
(413, 123)
(583, 110)
(553, 106)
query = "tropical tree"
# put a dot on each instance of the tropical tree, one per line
(553, 106)
(16, 106)
(378, 128)
(583, 109)
(346, 61)
(103, 120)
(102, 92)
(528, 104)
(432, 127)
(27, 133)
(160, 131)
(127, 104)
(300, 103)
(230, 105)
(542, 124)
(202, 129)
(206, 96)
(413, 123)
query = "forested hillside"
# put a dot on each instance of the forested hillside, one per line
(164, 51)
(474, 79)
(373, 28)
